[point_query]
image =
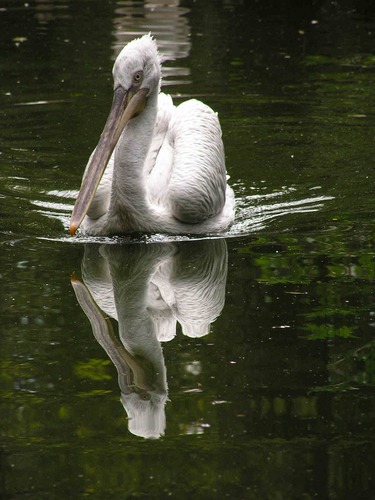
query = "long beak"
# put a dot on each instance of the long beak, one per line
(125, 105)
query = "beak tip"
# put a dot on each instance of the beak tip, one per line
(73, 228)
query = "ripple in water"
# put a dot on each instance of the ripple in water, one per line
(254, 213)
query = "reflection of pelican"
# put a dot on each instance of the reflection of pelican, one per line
(167, 20)
(167, 173)
(147, 289)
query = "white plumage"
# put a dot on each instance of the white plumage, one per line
(158, 168)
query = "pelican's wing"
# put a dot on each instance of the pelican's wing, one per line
(165, 112)
(158, 164)
(197, 185)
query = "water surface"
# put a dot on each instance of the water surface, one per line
(236, 367)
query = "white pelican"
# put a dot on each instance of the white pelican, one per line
(158, 168)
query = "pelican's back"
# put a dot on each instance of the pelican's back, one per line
(197, 184)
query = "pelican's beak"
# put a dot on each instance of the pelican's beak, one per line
(125, 105)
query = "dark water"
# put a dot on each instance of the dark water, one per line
(262, 382)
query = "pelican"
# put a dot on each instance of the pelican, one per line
(158, 168)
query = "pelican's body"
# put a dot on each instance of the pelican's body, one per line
(157, 168)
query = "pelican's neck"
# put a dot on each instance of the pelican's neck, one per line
(128, 197)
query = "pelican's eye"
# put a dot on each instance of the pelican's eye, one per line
(138, 77)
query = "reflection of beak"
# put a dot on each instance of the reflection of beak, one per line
(125, 105)
(140, 372)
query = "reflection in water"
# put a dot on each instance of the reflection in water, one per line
(148, 289)
(167, 22)
(47, 11)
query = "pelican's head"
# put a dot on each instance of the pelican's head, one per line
(136, 75)
(138, 66)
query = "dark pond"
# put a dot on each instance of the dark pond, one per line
(254, 372)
